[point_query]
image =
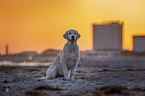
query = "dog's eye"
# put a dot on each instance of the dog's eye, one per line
(74, 33)
(69, 33)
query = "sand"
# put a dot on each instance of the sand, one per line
(105, 78)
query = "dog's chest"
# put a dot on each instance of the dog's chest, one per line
(71, 56)
(70, 62)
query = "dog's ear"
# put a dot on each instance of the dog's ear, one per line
(66, 35)
(78, 35)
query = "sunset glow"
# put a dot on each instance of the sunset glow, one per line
(36, 25)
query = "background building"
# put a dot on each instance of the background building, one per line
(108, 36)
(139, 43)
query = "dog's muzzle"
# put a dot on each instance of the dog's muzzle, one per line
(72, 39)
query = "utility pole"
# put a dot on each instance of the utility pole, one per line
(7, 49)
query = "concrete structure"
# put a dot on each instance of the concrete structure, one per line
(108, 36)
(139, 43)
(29, 53)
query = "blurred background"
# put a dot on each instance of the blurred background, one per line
(112, 47)
(32, 30)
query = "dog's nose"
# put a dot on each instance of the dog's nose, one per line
(73, 37)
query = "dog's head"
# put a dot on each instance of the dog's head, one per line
(72, 36)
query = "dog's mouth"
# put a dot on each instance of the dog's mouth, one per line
(72, 40)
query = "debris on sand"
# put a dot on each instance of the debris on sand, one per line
(4, 88)
(111, 90)
(135, 69)
(31, 70)
(46, 87)
(38, 91)
(116, 89)
(5, 81)
(81, 72)
(35, 93)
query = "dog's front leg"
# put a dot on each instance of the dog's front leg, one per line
(72, 72)
(65, 71)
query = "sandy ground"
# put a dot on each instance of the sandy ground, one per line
(118, 78)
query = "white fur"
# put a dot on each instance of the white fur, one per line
(67, 60)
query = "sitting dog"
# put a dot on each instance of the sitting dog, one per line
(66, 62)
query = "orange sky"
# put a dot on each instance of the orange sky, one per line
(27, 25)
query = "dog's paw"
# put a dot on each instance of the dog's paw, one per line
(72, 78)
